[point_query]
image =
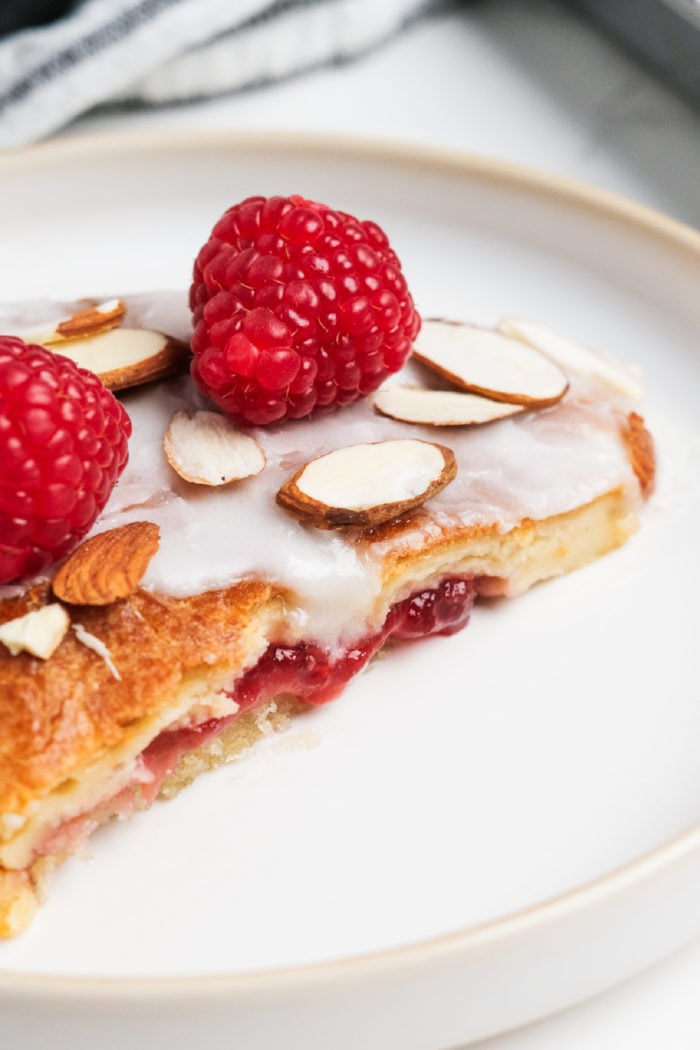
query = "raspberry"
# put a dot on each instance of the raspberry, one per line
(297, 308)
(63, 444)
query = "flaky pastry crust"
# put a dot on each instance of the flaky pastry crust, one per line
(62, 717)
(58, 714)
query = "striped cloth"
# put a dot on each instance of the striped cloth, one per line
(150, 52)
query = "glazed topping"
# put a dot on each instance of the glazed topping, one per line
(531, 465)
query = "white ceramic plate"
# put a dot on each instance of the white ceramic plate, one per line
(485, 828)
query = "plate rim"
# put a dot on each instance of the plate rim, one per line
(670, 853)
(540, 181)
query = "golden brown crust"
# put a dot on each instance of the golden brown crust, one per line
(59, 713)
(19, 900)
(56, 715)
(22, 892)
(509, 563)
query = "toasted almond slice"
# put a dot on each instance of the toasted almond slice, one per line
(95, 319)
(571, 356)
(126, 357)
(108, 566)
(440, 408)
(640, 446)
(367, 484)
(207, 449)
(489, 363)
(39, 632)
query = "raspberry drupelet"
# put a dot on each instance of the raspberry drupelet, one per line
(297, 308)
(63, 444)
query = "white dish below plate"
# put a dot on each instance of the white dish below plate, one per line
(485, 828)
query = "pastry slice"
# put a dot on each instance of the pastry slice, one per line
(202, 611)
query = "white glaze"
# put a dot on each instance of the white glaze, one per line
(534, 465)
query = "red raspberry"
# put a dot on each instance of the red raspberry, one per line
(297, 308)
(63, 444)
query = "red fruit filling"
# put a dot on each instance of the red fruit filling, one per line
(305, 670)
(310, 673)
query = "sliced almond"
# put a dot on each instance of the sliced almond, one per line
(126, 357)
(108, 566)
(640, 446)
(39, 632)
(367, 484)
(95, 319)
(572, 356)
(489, 363)
(440, 408)
(97, 646)
(207, 449)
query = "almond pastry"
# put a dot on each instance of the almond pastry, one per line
(235, 596)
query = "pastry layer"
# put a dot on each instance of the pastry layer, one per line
(195, 649)
(536, 496)
(22, 891)
(532, 466)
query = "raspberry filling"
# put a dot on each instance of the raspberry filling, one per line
(310, 673)
(307, 671)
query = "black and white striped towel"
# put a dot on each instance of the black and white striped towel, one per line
(152, 52)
